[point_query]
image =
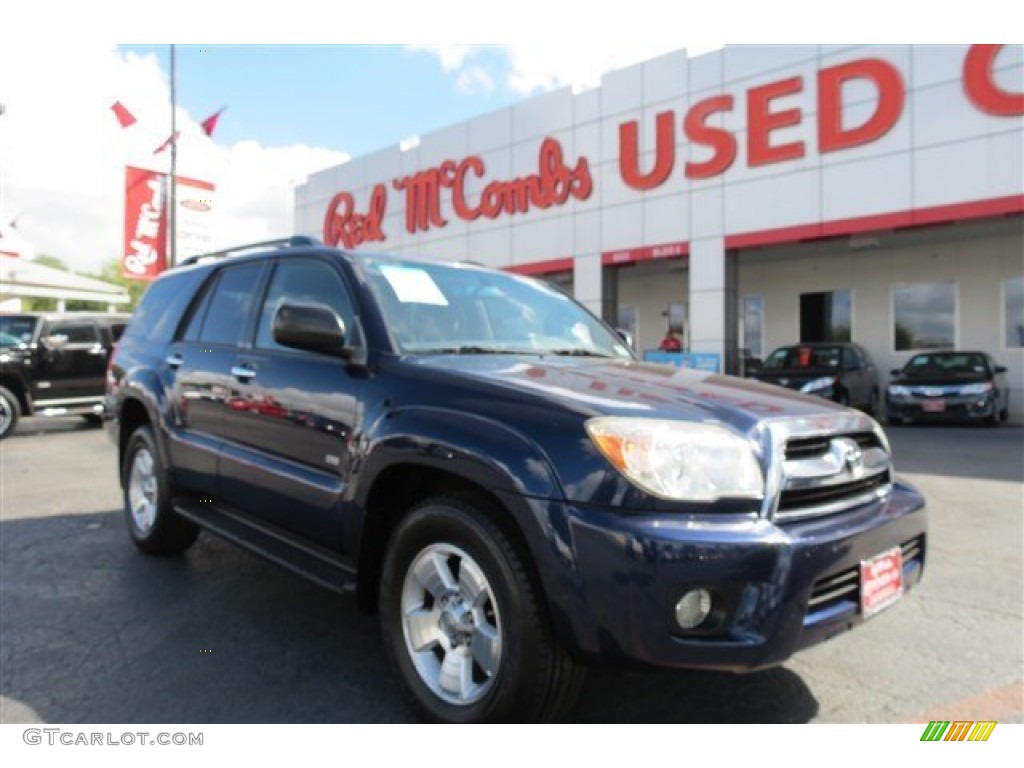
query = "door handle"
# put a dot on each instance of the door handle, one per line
(174, 361)
(242, 372)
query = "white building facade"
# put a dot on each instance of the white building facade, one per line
(747, 198)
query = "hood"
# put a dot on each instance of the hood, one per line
(602, 387)
(794, 378)
(938, 379)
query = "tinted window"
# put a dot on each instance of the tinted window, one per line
(162, 306)
(805, 357)
(230, 304)
(16, 330)
(79, 333)
(924, 316)
(947, 363)
(304, 282)
(752, 322)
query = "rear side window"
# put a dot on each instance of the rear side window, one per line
(78, 333)
(230, 304)
(163, 305)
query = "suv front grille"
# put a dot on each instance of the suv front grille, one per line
(845, 585)
(811, 447)
(831, 473)
(812, 497)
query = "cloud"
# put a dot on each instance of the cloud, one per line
(527, 69)
(62, 153)
(473, 80)
(452, 57)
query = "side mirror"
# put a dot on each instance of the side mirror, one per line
(313, 327)
(752, 366)
(895, 372)
(1000, 369)
(626, 336)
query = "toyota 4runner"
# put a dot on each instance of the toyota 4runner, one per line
(480, 459)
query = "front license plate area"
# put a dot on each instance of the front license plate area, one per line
(933, 406)
(881, 581)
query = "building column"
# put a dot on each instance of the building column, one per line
(713, 301)
(588, 285)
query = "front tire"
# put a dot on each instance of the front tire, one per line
(10, 410)
(152, 522)
(464, 622)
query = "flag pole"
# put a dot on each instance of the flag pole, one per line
(172, 218)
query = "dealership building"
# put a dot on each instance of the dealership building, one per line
(747, 198)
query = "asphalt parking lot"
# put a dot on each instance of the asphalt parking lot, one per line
(92, 631)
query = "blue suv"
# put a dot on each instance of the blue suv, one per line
(485, 463)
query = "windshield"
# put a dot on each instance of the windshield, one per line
(16, 329)
(947, 364)
(791, 358)
(446, 308)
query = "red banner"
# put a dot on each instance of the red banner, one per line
(145, 224)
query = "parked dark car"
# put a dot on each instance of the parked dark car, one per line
(951, 386)
(487, 464)
(54, 364)
(843, 373)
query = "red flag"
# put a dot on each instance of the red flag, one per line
(124, 117)
(210, 124)
(170, 140)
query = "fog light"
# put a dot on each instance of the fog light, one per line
(692, 608)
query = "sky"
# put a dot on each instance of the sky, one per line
(308, 101)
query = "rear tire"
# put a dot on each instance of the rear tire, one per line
(10, 410)
(464, 622)
(154, 526)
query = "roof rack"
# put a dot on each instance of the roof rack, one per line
(295, 241)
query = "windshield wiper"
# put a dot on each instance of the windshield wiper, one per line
(576, 352)
(473, 349)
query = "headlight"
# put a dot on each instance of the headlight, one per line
(976, 389)
(823, 383)
(897, 391)
(679, 460)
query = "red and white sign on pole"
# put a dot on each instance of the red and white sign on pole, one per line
(145, 224)
(145, 221)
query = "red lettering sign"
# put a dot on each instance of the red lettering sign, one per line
(981, 87)
(719, 139)
(553, 184)
(761, 121)
(664, 153)
(343, 225)
(145, 225)
(891, 94)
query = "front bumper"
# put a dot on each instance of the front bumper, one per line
(618, 578)
(954, 408)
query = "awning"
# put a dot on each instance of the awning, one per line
(20, 278)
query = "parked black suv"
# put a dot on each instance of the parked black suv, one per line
(54, 364)
(484, 461)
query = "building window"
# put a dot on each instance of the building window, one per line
(752, 326)
(924, 316)
(677, 322)
(825, 316)
(628, 322)
(1013, 311)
